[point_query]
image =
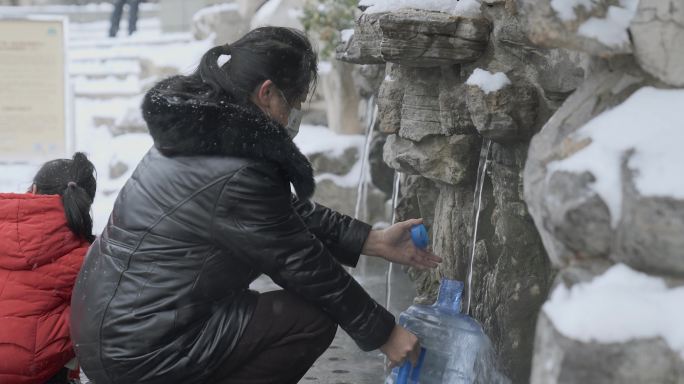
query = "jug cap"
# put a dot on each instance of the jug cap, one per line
(419, 236)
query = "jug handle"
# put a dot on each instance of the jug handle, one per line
(403, 376)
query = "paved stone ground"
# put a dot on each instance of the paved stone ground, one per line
(344, 362)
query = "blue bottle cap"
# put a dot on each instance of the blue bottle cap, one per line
(419, 236)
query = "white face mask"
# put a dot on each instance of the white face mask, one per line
(294, 119)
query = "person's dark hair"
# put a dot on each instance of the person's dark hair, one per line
(74, 180)
(283, 55)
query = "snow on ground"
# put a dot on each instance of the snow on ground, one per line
(183, 56)
(467, 8)
(109, 85)
(487, 81)
(610, 30)
(649, 123)
(112, 68)
(618, 306)
(350, 180)
(318, 139)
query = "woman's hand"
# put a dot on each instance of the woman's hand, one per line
(394, 244)
(400, 346)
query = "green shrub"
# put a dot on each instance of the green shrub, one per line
(324, 19)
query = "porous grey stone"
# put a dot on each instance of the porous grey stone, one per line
(420, 112)
(453, 110)
(505, 115)
(364, 46)
(417, 199)
(511, 272)
(367, 78)
(382, 175)
(415, 38)
(430, 39)
(390, 98)
(448, 159)
(578, 217)
(650, 236)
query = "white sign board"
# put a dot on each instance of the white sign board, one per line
(33, 90)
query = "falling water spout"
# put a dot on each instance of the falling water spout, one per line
(361, 208)
(390, 268)
(362, 189)
(477, 206)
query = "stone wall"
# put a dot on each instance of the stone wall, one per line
(440, 122)
(437, 125)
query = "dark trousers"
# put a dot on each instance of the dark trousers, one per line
(132, 16)
(61, 377)
(281, 342)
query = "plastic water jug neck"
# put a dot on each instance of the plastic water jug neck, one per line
(449, 298)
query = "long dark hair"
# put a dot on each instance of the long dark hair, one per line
(74, 180)
(283, 55)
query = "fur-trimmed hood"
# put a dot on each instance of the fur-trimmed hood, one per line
(184, 125)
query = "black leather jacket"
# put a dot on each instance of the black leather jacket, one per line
(163, 294)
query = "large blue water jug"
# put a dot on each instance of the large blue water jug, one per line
(455, 349)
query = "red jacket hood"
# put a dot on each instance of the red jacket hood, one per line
(33, 231)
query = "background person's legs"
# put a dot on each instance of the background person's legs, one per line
(116, 17)
(132, 15)
(281, 342)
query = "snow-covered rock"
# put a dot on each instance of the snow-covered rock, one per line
(601, 185)
(501, 111)
(598, 27)
(658, 32)
(628, 321)
(488, 82)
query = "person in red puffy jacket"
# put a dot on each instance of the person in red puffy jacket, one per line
(44, 235)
